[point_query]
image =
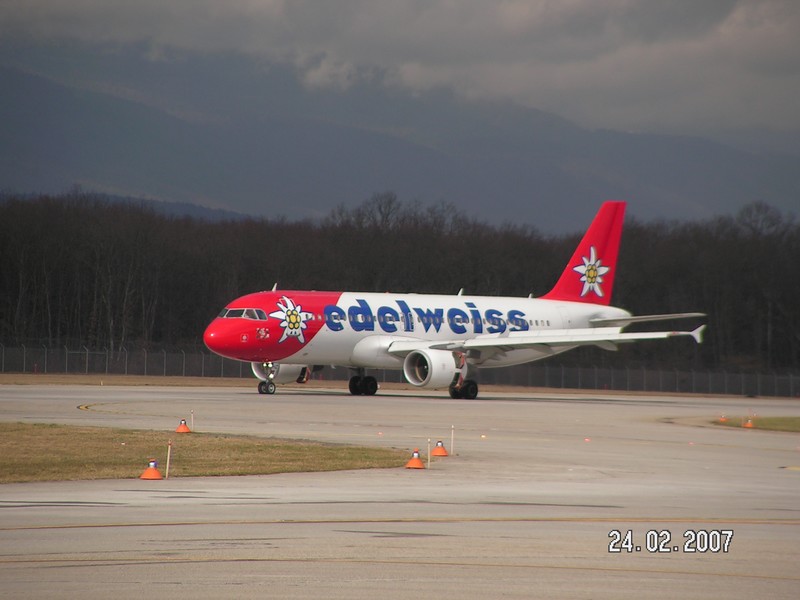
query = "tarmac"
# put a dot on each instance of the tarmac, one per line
(545, 494)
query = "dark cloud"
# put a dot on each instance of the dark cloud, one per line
(631, 64)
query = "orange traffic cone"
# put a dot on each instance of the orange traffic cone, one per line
(723, 419)
(749, 424)
(416, 461)
(183, 427)
(439, 450)
(151, 472)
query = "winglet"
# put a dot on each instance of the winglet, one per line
(697, 334)
(589, 275)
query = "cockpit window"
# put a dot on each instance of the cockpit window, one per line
(248, 313)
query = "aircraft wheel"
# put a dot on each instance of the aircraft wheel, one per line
(369, 386)
(455, 393)
(469, 390)
(266, 387)
(355, 385)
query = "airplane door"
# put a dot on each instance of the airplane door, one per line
(566, 318)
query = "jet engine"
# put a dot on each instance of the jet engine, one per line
(281, 373)
(431, 368)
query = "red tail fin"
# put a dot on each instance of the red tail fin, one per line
(589, 275)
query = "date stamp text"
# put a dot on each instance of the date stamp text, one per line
(660, 541)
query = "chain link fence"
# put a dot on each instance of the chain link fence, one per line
(83, 360)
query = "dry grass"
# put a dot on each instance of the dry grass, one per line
(37, 452)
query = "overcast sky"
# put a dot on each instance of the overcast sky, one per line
(637, 65)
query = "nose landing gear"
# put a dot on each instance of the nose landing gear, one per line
(266, 387)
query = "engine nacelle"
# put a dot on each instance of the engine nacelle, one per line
(431, 368)
(281, 373)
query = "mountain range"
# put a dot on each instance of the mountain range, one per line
(285, 150)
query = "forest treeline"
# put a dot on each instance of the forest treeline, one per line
(79, 270)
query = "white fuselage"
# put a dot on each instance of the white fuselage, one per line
(360, 327)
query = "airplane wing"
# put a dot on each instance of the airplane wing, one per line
(604, 337)
(623, 321)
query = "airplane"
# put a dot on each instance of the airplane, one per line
(438, 341)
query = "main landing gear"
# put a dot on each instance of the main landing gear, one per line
(468, 390)
(363, 386)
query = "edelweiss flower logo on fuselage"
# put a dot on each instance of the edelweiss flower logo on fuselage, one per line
(592, 271)
(293, 320)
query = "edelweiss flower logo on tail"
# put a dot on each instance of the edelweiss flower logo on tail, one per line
(592, 273)
(293, 320)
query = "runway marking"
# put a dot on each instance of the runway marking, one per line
(95, 407)
(417, 520)
(327, 429)
(160, 560)
(100, 407)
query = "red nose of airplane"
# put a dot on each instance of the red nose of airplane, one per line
(215, 337)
